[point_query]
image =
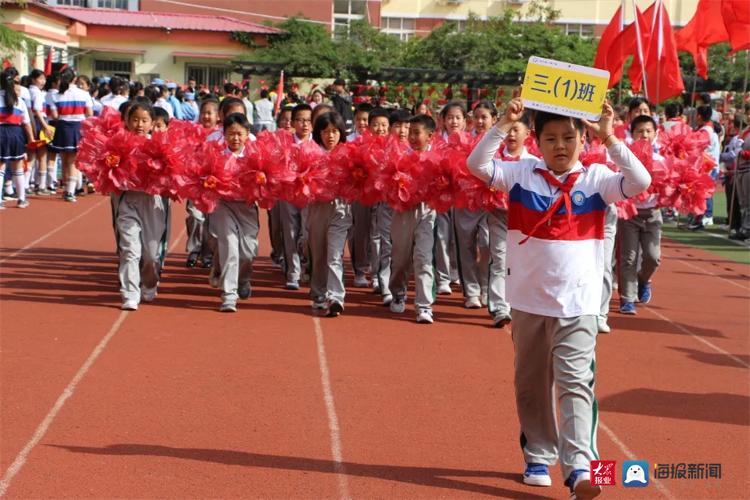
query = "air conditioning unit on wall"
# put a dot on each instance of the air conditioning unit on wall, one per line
(517, 2)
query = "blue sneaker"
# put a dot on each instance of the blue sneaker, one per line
(537, 475)
(644, 293)
(580, 485)
(627, 308)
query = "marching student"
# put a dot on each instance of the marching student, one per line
(395, 123)
(234, 224)
(70, 107)
(513, 149)
(640, 236)
(52, 91)
(141, 225)
(472, 232)
(453, 119)
(413, 239)
(554, 281)
(291, 216)
(15, 133)
(359, 241)
(327, 227)
(197, 244)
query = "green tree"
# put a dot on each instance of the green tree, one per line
(12, 42)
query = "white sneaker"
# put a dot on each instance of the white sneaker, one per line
(227, 307)
(387, 299)
(424, 316)
(708, 221)
(473, 303)
(582, 489)
(602, 326)
(484, 299)
(361, 281)
(148, 294)
(398, 306)
(444, 289)
(129, 305)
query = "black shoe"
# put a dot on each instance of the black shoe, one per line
(244, 291)
(334, 308)
(192, 260)
(206, 264)
(738, 235)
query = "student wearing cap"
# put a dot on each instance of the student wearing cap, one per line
(189, 107)
(174, 101)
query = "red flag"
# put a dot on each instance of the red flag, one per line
(704, 29)
(662, 65)
(625, 44)
(736, 15)
(279, 94)
(6, 63)
(643, 28)
(601, 61)
(48, 63)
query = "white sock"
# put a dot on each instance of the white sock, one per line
(42, 182)
(27, 177)
(19, 182)
(52, 173)
(71, 186)
(79, 181)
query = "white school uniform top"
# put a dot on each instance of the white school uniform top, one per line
(263, 110)
(49, 100)
(559, 271)
(71, 105)
(113, 101)
(37, 100)
(19, 115)
(164, 104)
(218, 136)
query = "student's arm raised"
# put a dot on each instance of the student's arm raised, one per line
(481, 161)
(633, 177)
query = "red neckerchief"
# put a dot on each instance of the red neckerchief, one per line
(564, 188)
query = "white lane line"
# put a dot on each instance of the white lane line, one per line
(631, 456)
(333, 421)
(54, 231)
(709, 273)
(20, 460)
(175, 242)
(698, 337)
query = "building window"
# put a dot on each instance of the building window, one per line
(399, 27)
(73, 3)
(212, 76)
(344, 12)
(584, 30)
(113, 68)
(113, 4)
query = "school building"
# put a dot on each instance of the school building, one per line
(135, 44)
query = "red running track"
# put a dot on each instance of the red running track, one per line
(177, 400)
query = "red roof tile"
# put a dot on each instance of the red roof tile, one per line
(140, 19)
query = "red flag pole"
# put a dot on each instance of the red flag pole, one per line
(279, 94)
(639, 45)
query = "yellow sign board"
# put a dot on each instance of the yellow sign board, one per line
(564, 89)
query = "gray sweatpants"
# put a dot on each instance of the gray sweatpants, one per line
(141, 232)
(275, 233)
(359, 238)
(638, 235)
(610, 231)
(234, 225)
(472, 249)
(197, 232)
(443, 241)
(413, 238)
(291, 231)
(497, 222)
(743, 197)
(327, 228)
(382, 247)
(556, 355)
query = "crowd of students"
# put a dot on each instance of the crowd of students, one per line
(532, 264)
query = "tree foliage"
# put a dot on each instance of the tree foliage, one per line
(12, 41)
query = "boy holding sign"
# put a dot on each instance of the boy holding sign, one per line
(555, 267)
